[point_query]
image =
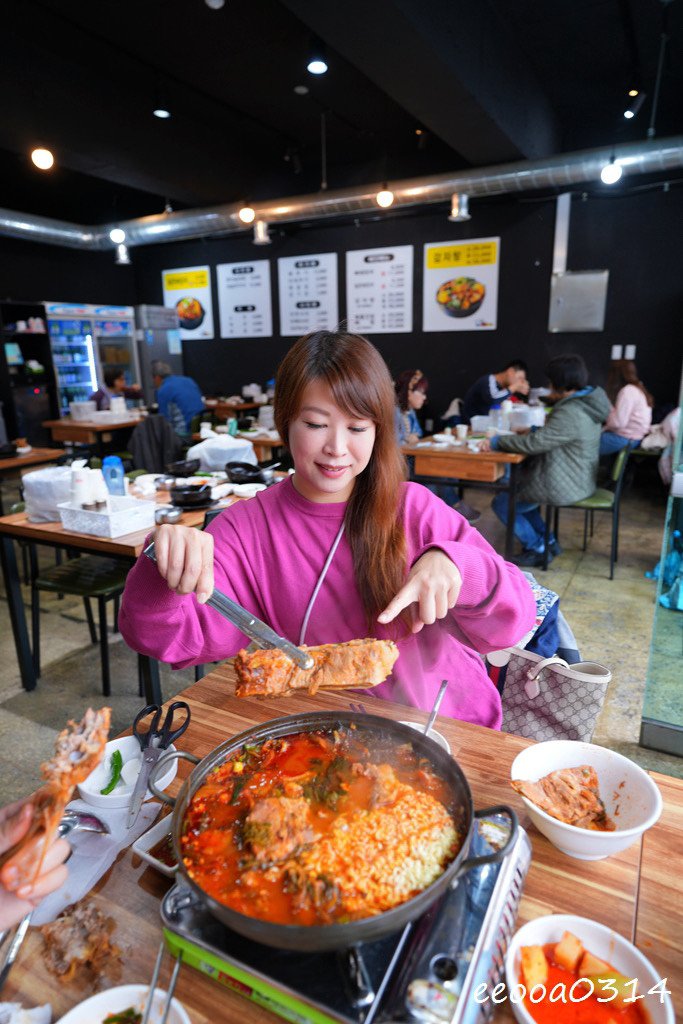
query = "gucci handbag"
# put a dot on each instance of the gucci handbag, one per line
(547, 699)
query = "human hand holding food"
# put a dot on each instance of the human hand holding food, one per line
(484, 445)
(433, 584)
(14, 823)
(520, 387)
(184, 558)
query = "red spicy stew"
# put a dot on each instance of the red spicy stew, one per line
(320, 827)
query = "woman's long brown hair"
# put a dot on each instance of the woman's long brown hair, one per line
(621, 373)
(361, 385)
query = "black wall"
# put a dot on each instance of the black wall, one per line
(636, 236)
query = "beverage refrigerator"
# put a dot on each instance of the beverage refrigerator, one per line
(86, 341)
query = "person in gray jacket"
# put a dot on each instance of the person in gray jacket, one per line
(565, 452)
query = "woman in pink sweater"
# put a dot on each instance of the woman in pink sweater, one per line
(344, 548)
(631, 413)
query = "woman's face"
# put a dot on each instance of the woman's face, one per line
(416, 398)
(329, 447)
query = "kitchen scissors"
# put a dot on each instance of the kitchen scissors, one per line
(154, 740)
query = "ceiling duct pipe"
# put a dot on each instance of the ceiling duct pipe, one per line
(558, 172)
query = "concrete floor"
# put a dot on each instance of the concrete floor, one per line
(612, 621)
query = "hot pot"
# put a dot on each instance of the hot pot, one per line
(314, 938)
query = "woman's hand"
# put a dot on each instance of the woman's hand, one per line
(185, 560)
(433, 584)
(14, 823)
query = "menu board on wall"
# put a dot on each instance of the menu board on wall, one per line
(308, 293)
(460, 290)
(244, 303)
(188, 290)
(379, 290)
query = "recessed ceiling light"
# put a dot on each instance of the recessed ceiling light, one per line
(301, 90)
(215, 5)
(42, 158)
(316, 66)
(161, 112)
(317, 61)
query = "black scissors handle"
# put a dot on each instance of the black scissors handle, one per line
(166, 734)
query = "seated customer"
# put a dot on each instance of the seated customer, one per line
(411, 394)
(495, 387)
(565, 452)
(179, 398)
(114, 386)
(631, 413)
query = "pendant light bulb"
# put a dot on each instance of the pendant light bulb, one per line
(247, 214)
(117, 235)
(384, 198)
(610, 173)
(42, 158)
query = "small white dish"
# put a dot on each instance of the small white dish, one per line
(24, 450)
(604, 943)
(89, 789)
(432, 734)
(149, 839)
(115, 1000)
(631, 798)
(443, 438)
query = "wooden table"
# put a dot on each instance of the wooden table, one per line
(637, 891)
(224, 410)
(36, 457)
(452, 464)
(94, 432)
(127, 547)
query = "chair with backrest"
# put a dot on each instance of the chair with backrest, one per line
(154, 444)
(603, 499)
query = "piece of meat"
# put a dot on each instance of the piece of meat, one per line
(276, 826)
(78, 749)
(571, 795)
(358, 663)
(80, 937)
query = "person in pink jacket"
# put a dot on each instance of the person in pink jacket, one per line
(631, 413)
(343, 549)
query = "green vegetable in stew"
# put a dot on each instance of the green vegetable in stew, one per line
(116, 765)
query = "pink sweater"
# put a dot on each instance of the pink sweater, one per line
(630, 416)
(269, 552)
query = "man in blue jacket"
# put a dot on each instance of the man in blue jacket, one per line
(493, 388)
(179, 398)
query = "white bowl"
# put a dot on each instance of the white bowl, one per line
(631, 798)
(149, 839)
(432, 734)
(598, 939)
(444, 438)
(89, 789)
(114, 1000)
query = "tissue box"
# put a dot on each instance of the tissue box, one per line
(125, 515)
(82, 410)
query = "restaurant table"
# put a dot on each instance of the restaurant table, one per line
(224, 410)
(636, 892)
(36, 457)
(435, 463)
(93, 432)
(126, 547)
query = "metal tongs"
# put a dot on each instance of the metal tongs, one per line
(261, 634)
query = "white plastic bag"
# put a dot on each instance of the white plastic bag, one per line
(44, 489)
(214, 452)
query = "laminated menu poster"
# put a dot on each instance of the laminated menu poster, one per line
(244, 303)
(379, 290)
(188, 291)
(308, 293)
(460, 290)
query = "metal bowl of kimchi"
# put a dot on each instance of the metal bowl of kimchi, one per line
(590, 802)
(321, 830)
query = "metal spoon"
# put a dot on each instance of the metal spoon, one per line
(435, 709)
(72, 821)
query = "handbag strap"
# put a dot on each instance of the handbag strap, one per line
(532, 687)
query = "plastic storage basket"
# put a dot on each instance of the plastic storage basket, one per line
(125, 515)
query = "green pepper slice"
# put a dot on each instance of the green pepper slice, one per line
(116, 767)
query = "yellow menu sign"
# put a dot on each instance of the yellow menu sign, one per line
(175, 280)
(464, 254)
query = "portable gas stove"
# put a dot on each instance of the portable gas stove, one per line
(428, 972)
